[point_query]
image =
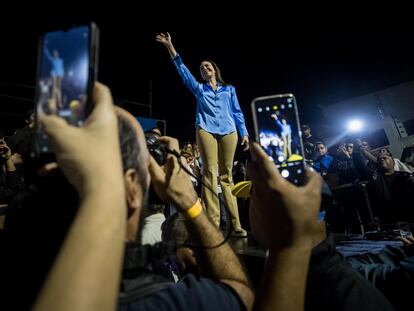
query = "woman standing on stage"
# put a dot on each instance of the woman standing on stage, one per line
(218, 114)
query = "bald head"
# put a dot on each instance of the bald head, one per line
(134, 150)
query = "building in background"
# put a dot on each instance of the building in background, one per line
(386, 116)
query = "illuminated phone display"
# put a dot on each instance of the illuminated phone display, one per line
(66, 72)
(277, 127)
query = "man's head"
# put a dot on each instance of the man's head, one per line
(349, 148)
(320, 148)
(188, 145)
(196, 151)
(386, 163)
(135, 161)
(365, 145)
(30, 118)
(306, 130)
(188, 153)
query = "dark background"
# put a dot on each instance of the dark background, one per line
(321, 57)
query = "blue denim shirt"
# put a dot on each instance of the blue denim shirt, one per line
(322, 163)
(218, 111)
(57, 65)
(284, 128)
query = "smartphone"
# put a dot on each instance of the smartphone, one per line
(67, 71)
(277, 130)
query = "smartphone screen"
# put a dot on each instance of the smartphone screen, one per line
(66, 73)
(276, 123)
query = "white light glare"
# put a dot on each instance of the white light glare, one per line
(355, 125)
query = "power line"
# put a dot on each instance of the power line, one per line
(11, 114)
(18, 85)
(134, 103)
(17, 97)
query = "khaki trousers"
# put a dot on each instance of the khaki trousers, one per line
(218, 149)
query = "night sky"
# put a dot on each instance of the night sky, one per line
(321, 61)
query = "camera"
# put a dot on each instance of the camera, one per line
(155, 147)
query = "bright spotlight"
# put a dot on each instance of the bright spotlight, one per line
(355, 125)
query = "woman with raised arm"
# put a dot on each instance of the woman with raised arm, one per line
(218, 116)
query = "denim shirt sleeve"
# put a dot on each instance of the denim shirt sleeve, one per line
(238, 114)
(185, 74)
(327, 162)
(317, 166)
(48, 55)
(279, 124)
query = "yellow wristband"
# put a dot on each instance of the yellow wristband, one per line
(194, 210)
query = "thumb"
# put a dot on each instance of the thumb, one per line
(54, 126)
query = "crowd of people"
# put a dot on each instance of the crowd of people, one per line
(92, 230)
(389, 180)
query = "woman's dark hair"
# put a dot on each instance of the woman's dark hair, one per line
(282, 117)
(219, 78)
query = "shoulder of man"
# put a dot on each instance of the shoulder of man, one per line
(405, 176)
(192, 293)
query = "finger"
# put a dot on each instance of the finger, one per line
(103, 103)
(253, 172)
(169, 167)
(264, 164)
(257, 183)
(54, 126)
(171, 143)
(168, 35)
(404, 240)
(313, 180)
(156, 172)
(172, 161)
